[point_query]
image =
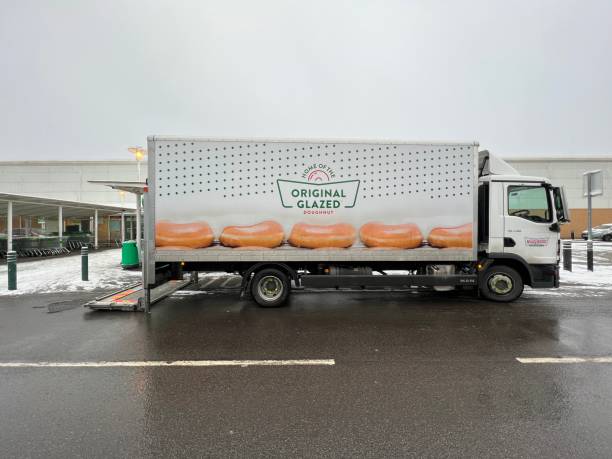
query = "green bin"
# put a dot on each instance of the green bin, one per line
(129, 255)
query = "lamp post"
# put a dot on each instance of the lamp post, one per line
(139, 154)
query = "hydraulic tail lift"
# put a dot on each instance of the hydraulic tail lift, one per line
(132, 297)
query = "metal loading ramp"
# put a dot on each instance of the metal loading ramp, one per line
(132, 297)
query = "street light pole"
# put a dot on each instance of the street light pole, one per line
(138, 211)
(139, 154)
(589, 208)
(592, 185)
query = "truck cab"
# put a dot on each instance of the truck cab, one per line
(519, 222)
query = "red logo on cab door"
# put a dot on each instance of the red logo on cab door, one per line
(536, 241)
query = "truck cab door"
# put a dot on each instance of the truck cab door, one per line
(531, 230)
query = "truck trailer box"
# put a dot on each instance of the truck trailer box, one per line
(227, 183)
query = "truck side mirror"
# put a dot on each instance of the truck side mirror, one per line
(561, 207)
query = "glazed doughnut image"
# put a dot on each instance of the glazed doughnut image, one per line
(404, 236)
(265, 234)
(190, 235)
(341, 235)
(458, 236)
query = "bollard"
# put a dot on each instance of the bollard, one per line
(84, 263)
(567, 255)
(590, 255)
(573, 236)
(11, 262)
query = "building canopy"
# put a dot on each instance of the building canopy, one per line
(36, 206)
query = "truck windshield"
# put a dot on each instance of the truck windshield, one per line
(529, 202)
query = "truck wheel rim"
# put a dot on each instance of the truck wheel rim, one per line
(270, 288)
(501, 284)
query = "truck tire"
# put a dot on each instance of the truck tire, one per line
(501, 283)
(270, 288)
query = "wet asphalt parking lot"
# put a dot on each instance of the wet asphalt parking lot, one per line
(427, 375)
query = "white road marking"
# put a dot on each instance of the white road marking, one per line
(564, 359)
(175, 363)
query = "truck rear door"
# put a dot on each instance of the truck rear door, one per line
(529, 229)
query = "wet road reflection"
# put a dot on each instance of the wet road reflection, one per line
(415, 374)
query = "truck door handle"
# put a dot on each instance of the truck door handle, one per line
(509, 242)
(555, 227)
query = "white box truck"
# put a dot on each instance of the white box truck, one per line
(288, 214)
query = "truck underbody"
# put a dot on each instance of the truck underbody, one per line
(509, 273)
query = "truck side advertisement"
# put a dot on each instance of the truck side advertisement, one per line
(263, 195)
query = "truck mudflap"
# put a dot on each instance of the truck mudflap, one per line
(544, 276)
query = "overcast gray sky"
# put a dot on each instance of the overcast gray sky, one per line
(85, 79)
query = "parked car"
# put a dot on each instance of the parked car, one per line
(601, 232)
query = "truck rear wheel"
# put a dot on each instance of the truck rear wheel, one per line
(270, 288)
(501, 283)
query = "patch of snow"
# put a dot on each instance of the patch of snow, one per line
(64, 274)
(580, 281)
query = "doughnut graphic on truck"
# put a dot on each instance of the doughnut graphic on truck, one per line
(292, 215)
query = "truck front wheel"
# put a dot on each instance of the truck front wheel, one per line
(270, 288)
(501, 283)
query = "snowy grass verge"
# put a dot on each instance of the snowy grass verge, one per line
(64, 274)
